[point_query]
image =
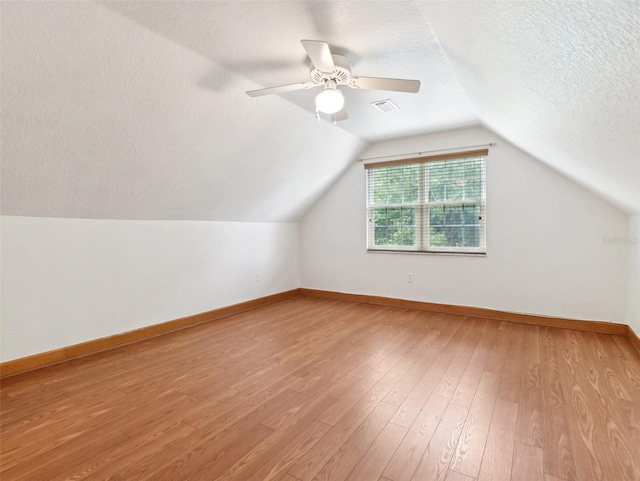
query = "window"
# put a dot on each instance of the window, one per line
(428, 204)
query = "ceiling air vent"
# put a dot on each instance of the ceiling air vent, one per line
(385, 105)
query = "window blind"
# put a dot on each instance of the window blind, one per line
(428, 204)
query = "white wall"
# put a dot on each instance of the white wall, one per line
(545, 249)
(634, 273)
(66, 281)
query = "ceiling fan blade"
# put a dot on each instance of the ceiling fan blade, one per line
(340, 115)
(282, 88)
(378, 83)
(320, 55)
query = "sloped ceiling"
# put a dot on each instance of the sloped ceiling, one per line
(560, 79)
(137, 110)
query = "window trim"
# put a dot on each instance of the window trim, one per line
(423, 206)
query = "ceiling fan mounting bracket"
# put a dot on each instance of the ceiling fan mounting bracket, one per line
(340, 75)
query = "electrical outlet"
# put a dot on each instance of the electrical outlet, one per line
(410, 277)
(257, 277)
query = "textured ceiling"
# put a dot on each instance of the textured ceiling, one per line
(137, 109)
(559, 79)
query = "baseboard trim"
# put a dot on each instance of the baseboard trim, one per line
(24, 364)
(580, 325)
(37, 361)
(633, 338)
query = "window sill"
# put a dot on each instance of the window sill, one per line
(464, 254)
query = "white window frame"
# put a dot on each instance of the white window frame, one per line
(423, 206)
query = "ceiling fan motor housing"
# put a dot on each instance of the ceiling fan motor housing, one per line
(340, 75)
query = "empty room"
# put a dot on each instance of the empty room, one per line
(320, 240)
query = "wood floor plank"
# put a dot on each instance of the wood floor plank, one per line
(53, 462)
(466, 389)
(120, 417)
(609, 363)
(629, 358)
(497, 458)
(500, 348)
(32, 444)
(464, 339)
(612, 432)
(548, 477)
(285, 459)
(454, 476)
(407, 382)
(373, 462)
(262, 462)
(435, 461)
(8, 462)
(338, 467)
(288, 477)
(530, 427)
(216, 458)
(558, 454)
(527, 463)
(510, 377)
(629, 414)
(238, 405)
(380, 379)
(271, 458)
(468, 454)
(590, 461)
(407, 456)
(126, 455)
(312, 388)
(194, 450)
(310, 464)
(342, 357)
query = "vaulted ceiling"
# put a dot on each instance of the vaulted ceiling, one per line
(137, 110)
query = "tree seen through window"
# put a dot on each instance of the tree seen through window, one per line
(436, 205)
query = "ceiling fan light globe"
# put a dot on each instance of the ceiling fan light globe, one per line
(330, 101)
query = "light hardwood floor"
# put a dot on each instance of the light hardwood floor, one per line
(321, 390)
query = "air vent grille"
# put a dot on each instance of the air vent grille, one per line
(385, 105)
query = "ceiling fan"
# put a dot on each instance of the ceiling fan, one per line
(330, 70)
